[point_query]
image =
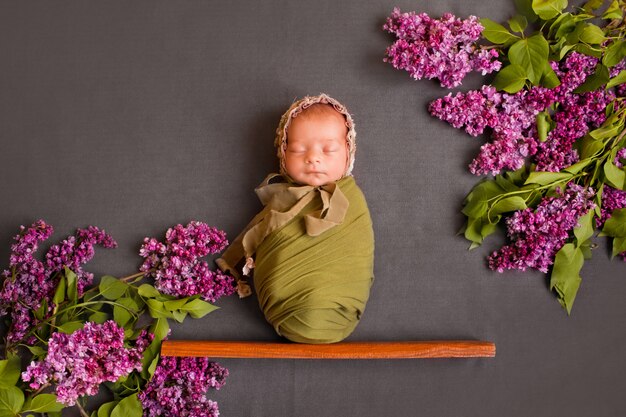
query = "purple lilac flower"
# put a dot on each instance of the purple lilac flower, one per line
(620, 90)
(579, 113)
(77, 250)
(176, 267)
(79, 362)
(30, 282)
(438, 48)
(512, 119)
(538, 234)
(179, 385)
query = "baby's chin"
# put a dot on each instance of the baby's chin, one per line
(314, 180)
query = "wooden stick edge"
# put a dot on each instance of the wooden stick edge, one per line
(341, 350)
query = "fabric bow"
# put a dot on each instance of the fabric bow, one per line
(282, 202)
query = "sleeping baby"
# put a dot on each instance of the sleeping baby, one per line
(311, 248)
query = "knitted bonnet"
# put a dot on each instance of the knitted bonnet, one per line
(296, 108)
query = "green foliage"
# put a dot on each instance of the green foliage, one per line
(495, 32)
(128, 407)
(596, 80)
(43, 403)
(531, 54)
(548, 9)
(510, 78)
(11, 401)
(565, 278)
(9, 371)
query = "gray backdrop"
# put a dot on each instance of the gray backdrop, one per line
(136, 116)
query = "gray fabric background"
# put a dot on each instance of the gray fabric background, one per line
(136, 116)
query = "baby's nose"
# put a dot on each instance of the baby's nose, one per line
(312, 157)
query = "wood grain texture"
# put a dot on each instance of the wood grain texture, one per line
(342, 350)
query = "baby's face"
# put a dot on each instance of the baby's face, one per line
(317, 149)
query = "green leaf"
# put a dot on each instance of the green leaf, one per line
(175, 304)
(606, 132)
(44, 403)
(543, 125)
(476, 202)
(121, 316)
(153, 366)
(545, 178)
(615, 52)
(564, 50)
(59, 293)
(70, 327)
(198, 308)
(619, 246)
(148, 291)
(615, 226)
(157, 310)
(565, 278)
(548, 9)
(10, 370)
(495, 32)
(587, 50)
(160, 328)
(589, 147)
(112, 288)
(562, 26)
(578, 166)
(525, 8)
(11, 401)
(531, 54)
(613, 11)
(592, 5)
(72, 285)
(614, 176)
(549, 78)
(584, 230)
(510, 78)
(518, 23)
(106, 408)
(596, 80)
(617, 80)
(128, 407)
(98, 317)
(592, 34)
(35, 350)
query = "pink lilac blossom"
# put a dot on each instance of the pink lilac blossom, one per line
(30, 282)
(438, 48)
(620, 90)
(579, 113)
(512, 119)
(538, 234)
(179, 385)
(77, 250)
(79, 362)
(175, 265)
(612, 198)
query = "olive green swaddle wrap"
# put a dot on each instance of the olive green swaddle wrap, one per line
(312, 289)
(314, 247)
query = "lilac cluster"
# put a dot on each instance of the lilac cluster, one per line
(438, 48)
(30, 282)
(538, 234)
(179, 385)
(512, 118)
(77, 250)
(176, 267)
(78, 363)
(578, 114)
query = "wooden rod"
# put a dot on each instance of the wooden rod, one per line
(342, 350)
